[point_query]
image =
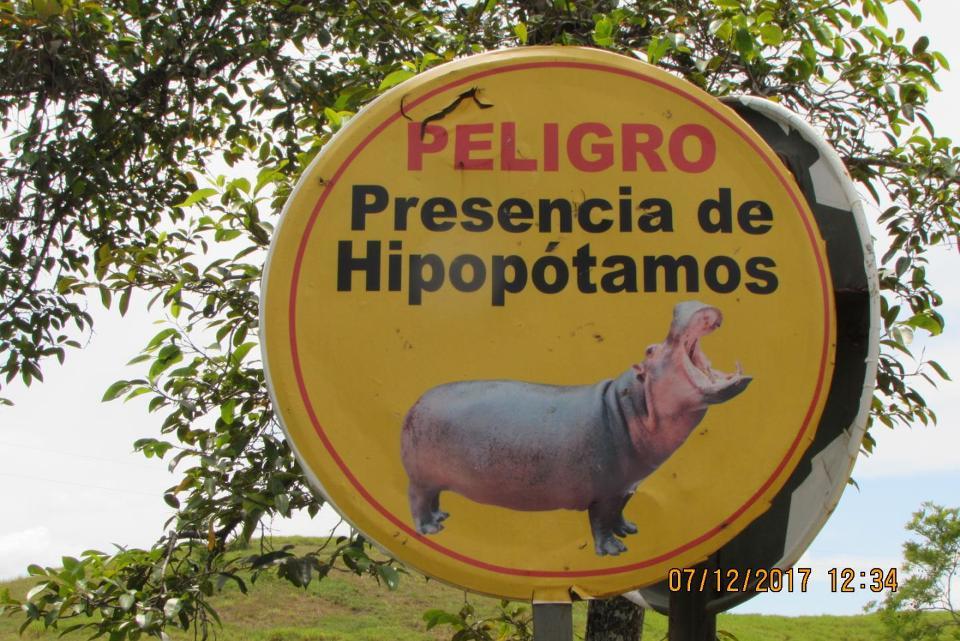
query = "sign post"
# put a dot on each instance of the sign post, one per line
(688, 618)
(552, 622)
(548, 322)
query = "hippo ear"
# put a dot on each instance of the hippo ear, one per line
(640, 370)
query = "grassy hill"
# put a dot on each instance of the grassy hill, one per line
(344, 607)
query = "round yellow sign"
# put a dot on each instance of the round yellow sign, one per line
(488, 312)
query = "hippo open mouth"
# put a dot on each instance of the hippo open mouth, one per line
(715, 385)
(703, 375)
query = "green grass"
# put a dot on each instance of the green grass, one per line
(756, 627)
(344, 607)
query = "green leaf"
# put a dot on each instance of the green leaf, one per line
(520, 30)
(333, 117)
(942, 59)
(229, 576)
(239, 184)
(226, 411)
(656, 48)
(262, 561)
(196, 197)
(880, 14)
(282, 501)
(137, 392)
(172, 608)
(929, 322)
(169, 355)
(64, 283)
(160, 337)
(238, 354)
(47, 8)
(392, 79)
(72, 628)
(125, 301)
(389, 575)
(771, 34)
(939, 369)
(439, 617)
(914, 9)
(743, 42)
(265, 177)
(106, 296)
(723, 29)
(921, 45)
(902, 334)
(37, 589)
(115, 390)
(143, 620)
(69, 563)
(603, 32)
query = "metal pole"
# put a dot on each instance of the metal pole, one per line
(689, 619)
(552, 622)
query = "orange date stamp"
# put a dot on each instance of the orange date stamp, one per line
(795, 579)
(739, 580)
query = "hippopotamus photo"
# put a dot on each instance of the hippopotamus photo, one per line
(532, 447)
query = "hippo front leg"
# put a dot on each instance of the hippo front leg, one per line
(604, 517)
(438, 514)
(425, 509)
(623, 527)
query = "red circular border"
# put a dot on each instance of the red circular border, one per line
(294, 281)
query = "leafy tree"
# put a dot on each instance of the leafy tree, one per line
(924, 607)
(125, 123)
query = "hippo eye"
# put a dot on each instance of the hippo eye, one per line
(650, 349)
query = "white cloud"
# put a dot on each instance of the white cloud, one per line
(32, 540)
(18, 549)
(905, 452)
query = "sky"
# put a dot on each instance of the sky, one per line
(71, 482)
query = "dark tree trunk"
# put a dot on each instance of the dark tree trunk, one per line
(615, 619)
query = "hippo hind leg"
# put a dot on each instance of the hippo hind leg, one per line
(425, 509)
(604, 517)
(623, 527)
